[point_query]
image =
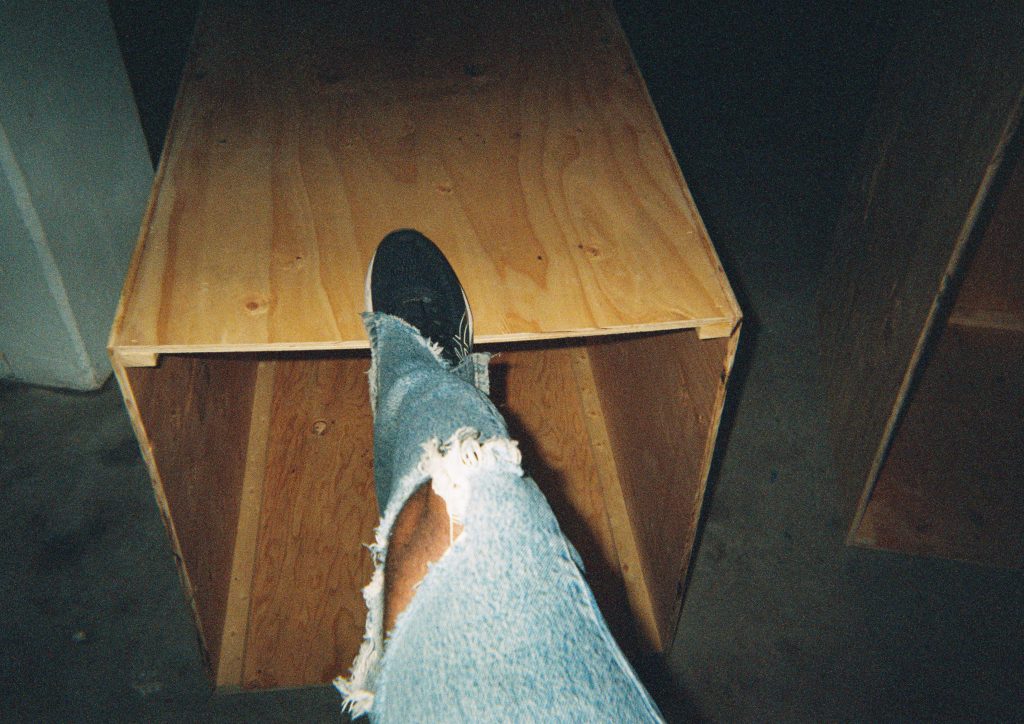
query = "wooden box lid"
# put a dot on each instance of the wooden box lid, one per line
(518, 136)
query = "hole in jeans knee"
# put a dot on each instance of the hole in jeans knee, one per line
(422, 533)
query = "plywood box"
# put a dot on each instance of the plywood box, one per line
(520, 137)
(923, 310)
(952, 480)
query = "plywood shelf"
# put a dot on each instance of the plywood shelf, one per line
(520, 137)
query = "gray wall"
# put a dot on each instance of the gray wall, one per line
(74, 179)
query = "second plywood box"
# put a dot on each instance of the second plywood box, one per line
(521, 139)
(923, 312)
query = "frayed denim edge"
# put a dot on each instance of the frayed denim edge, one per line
(446, 465)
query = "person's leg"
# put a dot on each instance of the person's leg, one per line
(420, 404)
(481, 598)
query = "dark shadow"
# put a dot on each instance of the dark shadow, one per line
(154, 38)
(675, 702)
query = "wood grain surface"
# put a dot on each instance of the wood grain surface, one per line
(953, 482)
(519, 136)
(306, 611)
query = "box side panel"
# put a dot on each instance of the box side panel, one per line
(536, 392)
(318, 510)
(947, 105)
(662, 396)
(953, 482)
(195, 415)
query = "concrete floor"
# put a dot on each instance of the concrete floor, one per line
(781, 620)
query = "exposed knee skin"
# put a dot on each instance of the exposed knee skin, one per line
(421, 535)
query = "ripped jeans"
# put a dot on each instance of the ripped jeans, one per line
(503, 626)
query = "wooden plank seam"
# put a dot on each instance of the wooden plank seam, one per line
(236, 621)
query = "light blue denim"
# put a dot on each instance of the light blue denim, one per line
(503, 627)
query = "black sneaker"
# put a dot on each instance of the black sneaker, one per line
(410, 278)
